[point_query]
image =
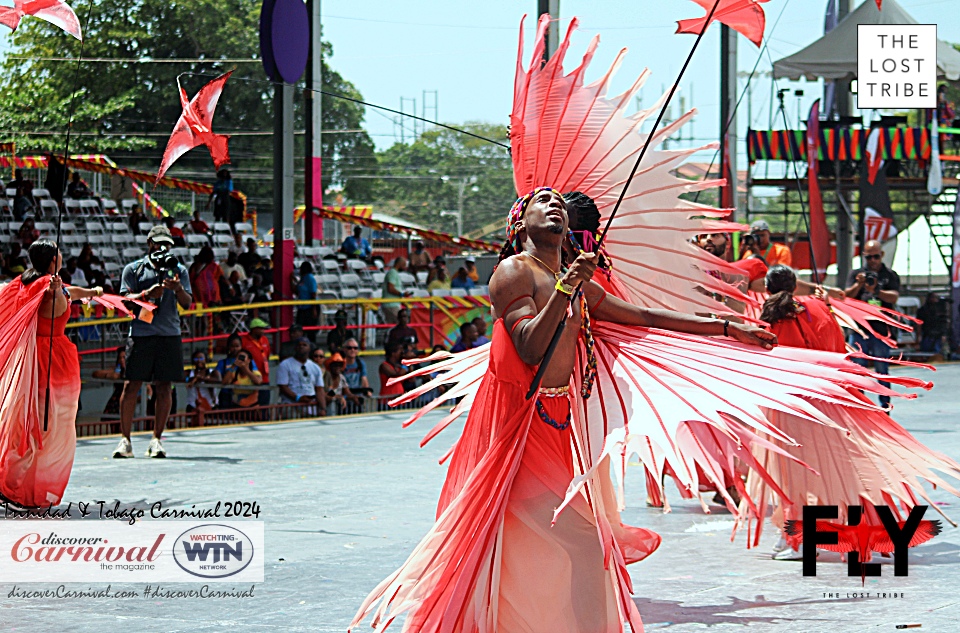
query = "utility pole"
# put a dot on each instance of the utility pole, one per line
(551, 7)
(845, 227)
(313, 102)
(728, 98)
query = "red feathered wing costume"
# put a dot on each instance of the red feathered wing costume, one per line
(528, 535)
(35, 464)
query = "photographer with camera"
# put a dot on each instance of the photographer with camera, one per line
(876, 284)
(757, 242)
(154, 348)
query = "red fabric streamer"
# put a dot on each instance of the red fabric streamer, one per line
(195, 126)
(746, 17)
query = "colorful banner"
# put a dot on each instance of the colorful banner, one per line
(448, 314)
(838, 144)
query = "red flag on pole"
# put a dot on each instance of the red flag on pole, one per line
(743, 16)
(819, 235)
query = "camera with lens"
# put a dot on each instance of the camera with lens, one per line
(748, 241)
(870, 278)
(166, 262)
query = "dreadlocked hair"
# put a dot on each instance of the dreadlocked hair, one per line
(586, 327)
(781, 283)
(584, 217)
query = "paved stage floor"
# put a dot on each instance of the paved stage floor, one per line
(344, 502)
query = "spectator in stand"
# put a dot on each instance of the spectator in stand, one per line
(355, 246)
(391, 367)
(393, 289)
(340, 399)
(257, 292)
(199, 397)
(481, 326)
(338, 335)
(439, 264)
(77, 189)
(288, 347)
(771, 252)
(178, 237)
(237, 368)
(402, 333)
(266, 272)
(85, 260)
(23, 202)
(205, 277)
(221, 196)
(28, 233)
(301, 380)
(419, 258)
(16, 261)
(935, 325)
(461, 280)
(440, 280)
(468, 337)
(249, 259)
(199, 227)
(876, 284)
(136, 219)
(470, 264)
(306, 289)
(355, 371)
(154, 348)
(77, 278)
(231, 265)
(237, 246)
(258, 344)
(231, 291)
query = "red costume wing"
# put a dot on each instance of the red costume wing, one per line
(19, 379)
(204, 103)
(10, 16)
(744, 16)
(57, 13)
(181, 141)
(926, 531)
(856, 315)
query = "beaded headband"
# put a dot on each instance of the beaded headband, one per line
(519, 208)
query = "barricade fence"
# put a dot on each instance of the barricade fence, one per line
(435, 319)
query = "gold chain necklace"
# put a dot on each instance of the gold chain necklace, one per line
(556, 274)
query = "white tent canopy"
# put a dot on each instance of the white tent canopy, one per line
(834, 56)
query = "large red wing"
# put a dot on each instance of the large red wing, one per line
(9, 16)
(744, 16)
(204, 104)
(181, 141)
(926, 531)
(55, 12)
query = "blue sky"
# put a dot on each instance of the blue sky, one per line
(466, 51)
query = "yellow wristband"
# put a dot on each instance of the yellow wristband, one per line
(564, 288)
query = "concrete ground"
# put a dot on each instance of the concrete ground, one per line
(344, 501)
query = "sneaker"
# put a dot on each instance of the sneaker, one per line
(123, 449)
(780, 546)
(789, 554)
(155, 449)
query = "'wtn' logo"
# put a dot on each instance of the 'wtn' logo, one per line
(200, 550)
(858, 539)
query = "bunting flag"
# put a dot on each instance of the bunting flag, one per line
(819, 234)
(874, 159)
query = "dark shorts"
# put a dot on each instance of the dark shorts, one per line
(154, 359)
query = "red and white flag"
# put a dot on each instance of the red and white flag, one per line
(877, 227)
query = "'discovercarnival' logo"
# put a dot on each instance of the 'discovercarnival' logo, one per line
(858, 539)
(213, 551)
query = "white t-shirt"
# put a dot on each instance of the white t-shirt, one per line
(302, 378)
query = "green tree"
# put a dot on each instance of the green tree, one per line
(138, 98)
(419, 180)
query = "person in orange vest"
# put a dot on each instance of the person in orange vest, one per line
(258, 345)
(771, 252)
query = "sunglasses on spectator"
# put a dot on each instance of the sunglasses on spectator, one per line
(873, 256)
(350, 347)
